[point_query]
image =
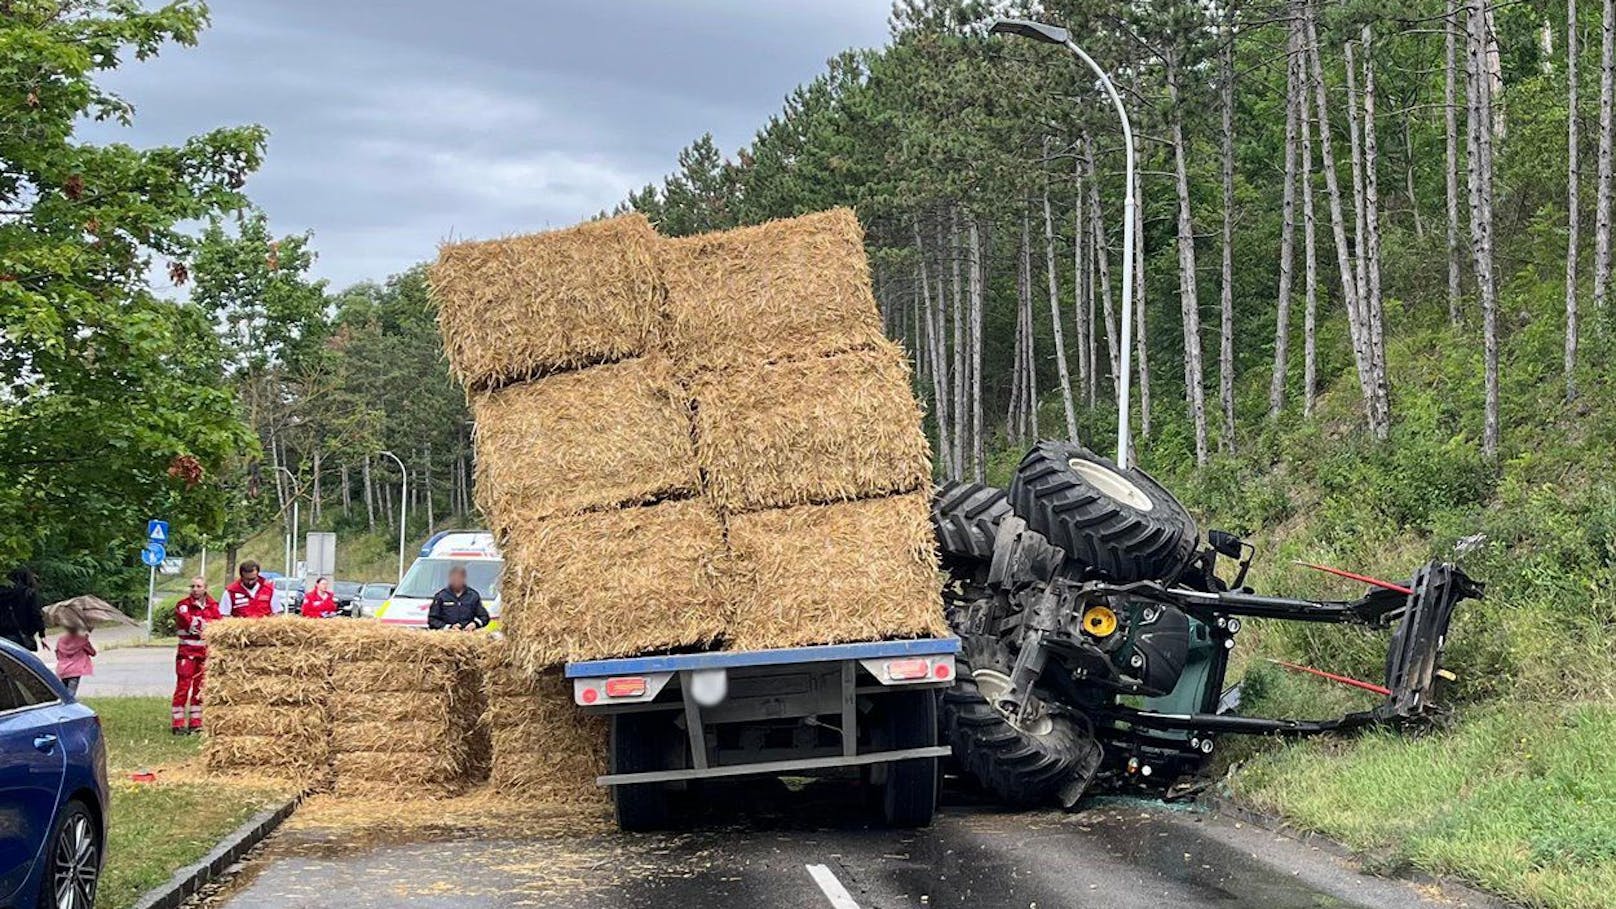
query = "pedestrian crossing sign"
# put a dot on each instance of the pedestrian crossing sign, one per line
(157, 532)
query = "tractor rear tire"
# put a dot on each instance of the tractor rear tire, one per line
(965, 517)
(1116, 524)
(1020, 764)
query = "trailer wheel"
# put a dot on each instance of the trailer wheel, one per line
(965, 518)
(639, 742)
(1121, 524)
(909, 794)
(1022, 764)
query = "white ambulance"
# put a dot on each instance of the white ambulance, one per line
(473, 549)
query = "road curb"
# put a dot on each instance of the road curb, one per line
(188, 880)
(1222, 806)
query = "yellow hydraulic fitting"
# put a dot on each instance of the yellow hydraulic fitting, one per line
(1099, 621)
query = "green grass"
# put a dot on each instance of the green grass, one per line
(159, 828)
(1519, 799)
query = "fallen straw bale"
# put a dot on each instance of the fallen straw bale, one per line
(240, 689)
(376, 676)
(387, 706)
(788, 289)
(272, 755)
(596, 438)
(274, 631)
(262, 720)
(613, 583)
(403, 736)
(545, 749)
(820, 430)
(521, 307)
(820, 574)
(303, 661)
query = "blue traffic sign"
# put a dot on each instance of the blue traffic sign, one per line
(157, 532)
(153, 555)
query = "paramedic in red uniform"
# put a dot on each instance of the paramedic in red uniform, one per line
(319, 603)
(191, 615)
(249, 596)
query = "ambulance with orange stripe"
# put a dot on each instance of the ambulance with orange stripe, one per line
(473, 549)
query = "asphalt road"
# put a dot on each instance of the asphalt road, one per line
(792, 851)
(124, 668)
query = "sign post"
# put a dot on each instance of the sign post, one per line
(151, 556)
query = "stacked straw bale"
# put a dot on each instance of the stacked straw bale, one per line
(614, 583)
(545, 749)
(522, 307)
(405, 710)
(603, 437)
(268, 684)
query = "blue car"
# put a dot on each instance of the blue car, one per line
(53, 789)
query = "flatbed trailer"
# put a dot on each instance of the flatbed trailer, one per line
(683, 718)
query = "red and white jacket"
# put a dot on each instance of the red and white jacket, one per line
(190, 617)
(241, 603)
(317, 605)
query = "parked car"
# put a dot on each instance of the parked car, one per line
(345, 593)
(371, 597)
(53, 789)
(289, 594)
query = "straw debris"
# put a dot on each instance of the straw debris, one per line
(521, 307)
(824, 574)
(545, 749)
(597, 438)
(613, 583)
(788, 289)
(812, 431)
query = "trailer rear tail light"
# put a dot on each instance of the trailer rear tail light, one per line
(943, 669)
(627, 687)
(908, 669)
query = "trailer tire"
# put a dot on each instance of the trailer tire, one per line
(1117, 524)
(639, 742)
(909, 794)
(965, 518)
(1020, 766)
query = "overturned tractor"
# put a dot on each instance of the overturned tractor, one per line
(1095, 631)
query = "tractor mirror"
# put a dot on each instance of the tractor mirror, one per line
(1225, 543)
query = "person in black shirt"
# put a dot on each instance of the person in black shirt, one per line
(457, 606)
(22, 620)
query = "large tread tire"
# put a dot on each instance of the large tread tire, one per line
(1151, 538)
(1019, 767)
(639, 742)
(965, 517)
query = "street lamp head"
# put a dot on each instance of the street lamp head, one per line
(1026, 28)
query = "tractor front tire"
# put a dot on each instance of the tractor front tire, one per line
(1021, 764)
(1114, 523)
(965, 517)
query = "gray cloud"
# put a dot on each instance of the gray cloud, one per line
(395, 126)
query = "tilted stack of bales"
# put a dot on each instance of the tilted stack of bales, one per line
(807, 433)
(267, 694)
(405, 709)
(585, 464)
(692, 443)
(545, 750)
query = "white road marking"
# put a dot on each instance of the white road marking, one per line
(832, 888)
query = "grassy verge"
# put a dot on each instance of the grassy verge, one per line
(160, 827)
(1519, 799)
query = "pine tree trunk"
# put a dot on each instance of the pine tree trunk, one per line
(1450, 112)
(1310, 255)
(1079, 305)
(1069, 407)
(939, 372)
(978, 454)
(1480, 139)
(1607, 135)
(1102, 267)
(1375, 312)
(370, 495)
(1338, 224)
(1287, 238)
(347, 491)
(1189, 304)
(1573, 203)
(1226, 440)
(961, 348)
(1408, 176)
(1013, 428)
(314, 503)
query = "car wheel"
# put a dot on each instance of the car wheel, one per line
(72, 861)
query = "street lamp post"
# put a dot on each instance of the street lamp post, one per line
(289, 551)
(403, 503)
(1054, 34)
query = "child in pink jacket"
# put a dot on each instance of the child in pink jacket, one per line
(73, 653)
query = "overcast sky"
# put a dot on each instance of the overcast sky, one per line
(394, 126)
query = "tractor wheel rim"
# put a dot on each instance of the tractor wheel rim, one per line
(1112, 484)
(994, 685)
